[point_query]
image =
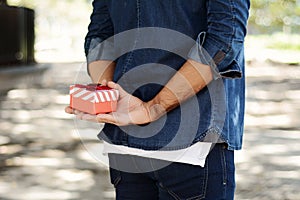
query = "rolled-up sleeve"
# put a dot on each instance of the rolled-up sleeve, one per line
(221, 45)
(98, 43)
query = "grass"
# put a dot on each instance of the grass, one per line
(278, 48)
(284, 46)
(277, 41)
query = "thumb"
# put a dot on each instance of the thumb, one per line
(104, 82)
(69, 110)
(117, 87)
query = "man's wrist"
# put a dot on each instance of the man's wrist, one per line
(101, 70)
(155, 110)
(189, 80)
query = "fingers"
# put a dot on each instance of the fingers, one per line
(104, 82)
(116, 86)
(112, 84)
(87, 117)
(69, 110)
(101, 118)
(106, 118)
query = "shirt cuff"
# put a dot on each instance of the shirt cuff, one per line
(221, 60)
(100, 50)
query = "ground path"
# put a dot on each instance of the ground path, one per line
(42, 157)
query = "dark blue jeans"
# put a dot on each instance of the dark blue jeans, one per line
(178, 181)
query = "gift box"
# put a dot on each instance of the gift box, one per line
(93, 98)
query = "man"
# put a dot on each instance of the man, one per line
(197, 101)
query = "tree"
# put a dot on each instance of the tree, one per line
(275, 15)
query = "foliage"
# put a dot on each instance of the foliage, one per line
(266, 16)
(275, 15)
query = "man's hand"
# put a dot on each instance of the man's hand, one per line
(189, 80)
(130, 110)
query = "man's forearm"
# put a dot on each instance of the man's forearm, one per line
(101, 70)
(188, 81)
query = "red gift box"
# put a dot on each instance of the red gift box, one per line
(93, 98)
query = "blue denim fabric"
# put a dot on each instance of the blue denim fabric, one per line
(177, 180)
(217, 26)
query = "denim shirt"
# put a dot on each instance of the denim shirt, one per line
(216, 29)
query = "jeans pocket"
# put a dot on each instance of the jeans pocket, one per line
(115, 176)
(183, 181)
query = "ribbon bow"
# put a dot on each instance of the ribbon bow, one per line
(93, 87)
